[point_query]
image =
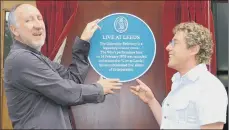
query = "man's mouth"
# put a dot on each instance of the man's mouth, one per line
(170, 55)
(37, 34)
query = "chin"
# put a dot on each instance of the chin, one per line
(37, 44)
(170, 65)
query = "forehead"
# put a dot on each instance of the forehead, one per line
(179, 36)
(26, 10)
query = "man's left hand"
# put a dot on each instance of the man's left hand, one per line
(89, 30)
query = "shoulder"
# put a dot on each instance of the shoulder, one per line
(210, 81)
(25, 56)
(210, 85)
(16, 62)
(21, 58)
(16, 56)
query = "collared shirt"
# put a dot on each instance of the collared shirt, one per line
(39, 91)
(196, 98)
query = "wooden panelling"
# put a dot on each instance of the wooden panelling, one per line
(122, 109)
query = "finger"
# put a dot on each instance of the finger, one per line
(142, 85)
(94, 28)
(116, 88)
(95, 21)
(142, 89)
(111, 92)
(113, 80)
(101, 78)
(99, 27)
(134, 92)
(116, 84)
(137, 88)
(140, 82)
(133, 88)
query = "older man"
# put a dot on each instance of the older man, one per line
(39, 91)
(198, 100)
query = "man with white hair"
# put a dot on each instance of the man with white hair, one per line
(39, 91)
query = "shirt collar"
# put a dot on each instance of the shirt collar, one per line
(19, 45)
(192, 75)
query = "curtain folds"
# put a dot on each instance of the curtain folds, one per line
(58, 17)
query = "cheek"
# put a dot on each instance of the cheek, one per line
(42, 25)
(28, 27)
(179, 54)
(183, 55)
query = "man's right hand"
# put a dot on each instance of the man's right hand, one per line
(109, 85)
(143, 92)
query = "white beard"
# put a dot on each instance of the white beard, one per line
(34, 44)
(37, 44)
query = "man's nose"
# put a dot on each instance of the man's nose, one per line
(37, 24)
(168, 47)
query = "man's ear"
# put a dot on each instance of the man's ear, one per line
(195, 49)
(14, 30)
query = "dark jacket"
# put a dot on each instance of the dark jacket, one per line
(40, 91)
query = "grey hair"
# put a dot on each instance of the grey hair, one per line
(12, 19)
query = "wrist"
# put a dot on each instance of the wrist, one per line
(84, 39)
(152, 101)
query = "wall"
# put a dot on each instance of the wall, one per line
(220, 11)
(221, 25)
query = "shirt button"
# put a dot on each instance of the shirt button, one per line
(165, 117)
(167, 104)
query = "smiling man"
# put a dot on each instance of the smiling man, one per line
(39, 91)
(197, 100)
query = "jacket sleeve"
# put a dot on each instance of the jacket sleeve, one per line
(30, 71)
(78, 69)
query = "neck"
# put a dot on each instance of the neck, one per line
(27, 43)
(187, 67)
(18, 39)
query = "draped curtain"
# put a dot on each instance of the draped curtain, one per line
(58, 17)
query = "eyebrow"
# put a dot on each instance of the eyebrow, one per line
(29, 17)
(38, 15)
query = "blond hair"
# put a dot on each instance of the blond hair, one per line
(196, 34)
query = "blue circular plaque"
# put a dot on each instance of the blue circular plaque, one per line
(124, 48)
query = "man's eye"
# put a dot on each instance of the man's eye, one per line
(39, 18)
(27, 21)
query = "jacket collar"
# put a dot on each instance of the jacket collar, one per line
(19, 45)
